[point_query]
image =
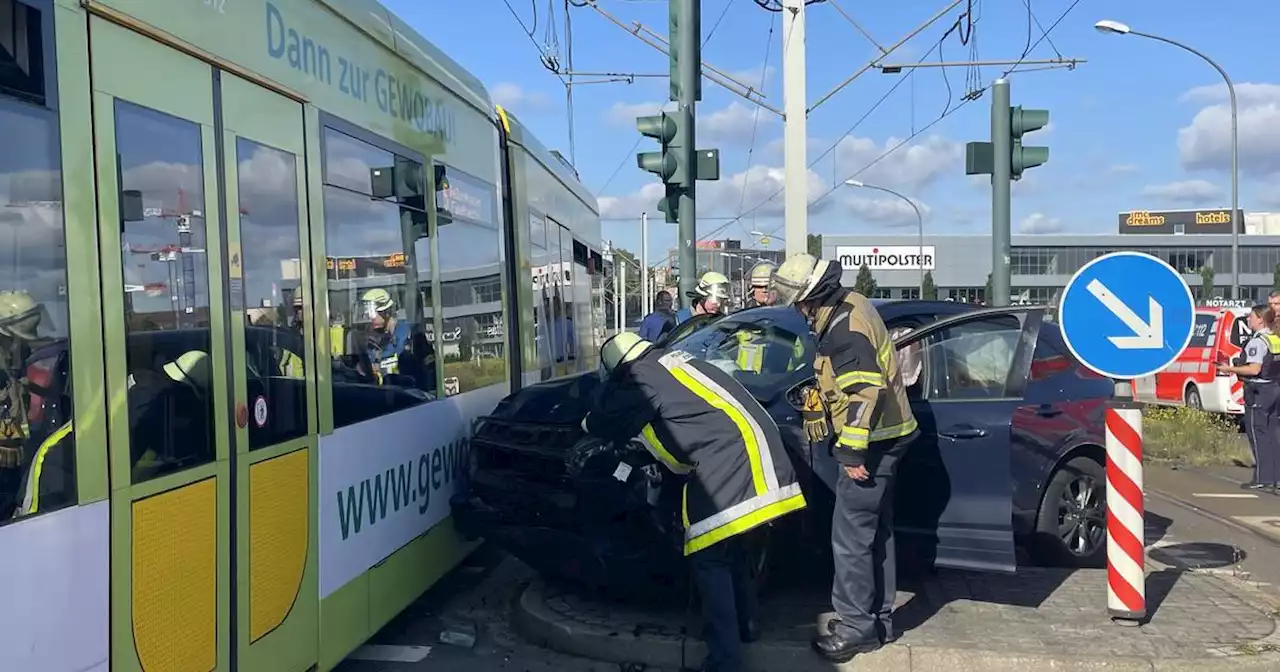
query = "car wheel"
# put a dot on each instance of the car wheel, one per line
(1192, 397)
(1071, 528)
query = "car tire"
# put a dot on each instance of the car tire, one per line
(1074, 504)
(1192, 398)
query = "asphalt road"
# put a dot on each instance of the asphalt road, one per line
(1187, 527)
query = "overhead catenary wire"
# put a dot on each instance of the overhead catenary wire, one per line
(1043, 37)
(755, 121)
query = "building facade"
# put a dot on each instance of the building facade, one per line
(1041, 265)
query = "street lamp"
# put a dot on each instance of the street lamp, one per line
(1116, 28)
(919, 220)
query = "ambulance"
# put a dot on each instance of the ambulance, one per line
(1192, 379)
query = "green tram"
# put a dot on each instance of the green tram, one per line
(263, 264)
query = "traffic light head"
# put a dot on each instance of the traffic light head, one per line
(660, 126)
(1021, 122)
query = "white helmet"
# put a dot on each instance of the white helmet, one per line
(713, 285)
(797, 277)
(762, 274)
(623, 347)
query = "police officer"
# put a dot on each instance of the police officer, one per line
(862, 398)
(392, 348)
(696, 419)
(1258, 367)
(708, 298)
(761, 279)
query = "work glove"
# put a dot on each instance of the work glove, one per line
(815, 417)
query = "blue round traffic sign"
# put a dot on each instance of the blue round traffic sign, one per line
(1127, 315)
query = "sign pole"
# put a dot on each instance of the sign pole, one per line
(1126, 315)
(1126, 546)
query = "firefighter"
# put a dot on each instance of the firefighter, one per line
(708, 298)
(761, 285)
(20, 318)
(861, 406)
(1258, 368)
(695, 419)
(170, 414)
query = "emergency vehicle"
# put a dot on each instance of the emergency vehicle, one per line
(1192, 379)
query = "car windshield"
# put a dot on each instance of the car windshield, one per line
(760, 352)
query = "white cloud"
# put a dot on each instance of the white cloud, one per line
(886, 211)
(753, 77)
(911, 166)
(515, 97)
(624, 114)
(1190, 192)
(1038, 222)
(725, 197)
(733, 123)
(1205, 143)
(736, 123)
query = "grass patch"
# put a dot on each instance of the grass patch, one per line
(1181, 435)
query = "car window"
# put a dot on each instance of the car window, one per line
(969, 360)
(757, 354)
(1203, 332)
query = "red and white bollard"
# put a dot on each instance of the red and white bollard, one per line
(1126, 544)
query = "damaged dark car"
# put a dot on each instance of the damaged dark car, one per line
(1010, 452)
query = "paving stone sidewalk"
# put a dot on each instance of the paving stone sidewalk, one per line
(951, 621)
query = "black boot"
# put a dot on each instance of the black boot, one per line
(835, 648)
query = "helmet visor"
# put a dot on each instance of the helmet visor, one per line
(370, 309)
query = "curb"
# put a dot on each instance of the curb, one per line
(538, 623)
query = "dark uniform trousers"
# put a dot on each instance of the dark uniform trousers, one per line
(1261, 401)
(728, 601)
(862, 545)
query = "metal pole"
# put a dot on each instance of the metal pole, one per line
(1002, 148)
(919, 220)
(622, 309)
(796, 168)
(1235, 160)
(617, 291)
(690, 51)
(645, 306)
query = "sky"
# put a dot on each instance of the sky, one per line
(1138, 125)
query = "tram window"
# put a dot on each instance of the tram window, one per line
(275, 358)
(474, 341)
(22, 71)
(542, 281)
(166, 283)
(382, 350)
(37, 446)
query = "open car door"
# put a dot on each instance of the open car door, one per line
(965, 376)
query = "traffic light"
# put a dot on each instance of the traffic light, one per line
(669, 163)
(666, 129)
(1021, 122)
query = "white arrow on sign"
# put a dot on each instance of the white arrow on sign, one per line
(1146, 335)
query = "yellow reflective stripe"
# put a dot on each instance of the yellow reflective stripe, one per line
(884, 354)
(854, 437)
(847, 380)
(750, 521)
(684, 505)
(751, 357)
(1273, 343)
(739, 419)
(894, 431)
(37, 466)
(660, 451)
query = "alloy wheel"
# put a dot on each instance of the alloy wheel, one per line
(1082, 518)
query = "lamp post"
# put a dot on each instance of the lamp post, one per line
(1116, 28)
(919, 220)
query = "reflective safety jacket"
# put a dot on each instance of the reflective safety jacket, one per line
(1270, 369)
(50, 478)
(757, 354)
(698, 420)
(385, 351)
(858, 376)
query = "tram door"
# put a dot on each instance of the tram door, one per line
(202, 219)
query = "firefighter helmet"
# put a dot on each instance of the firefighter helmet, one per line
(190, 367)
(376, 301)
(20, 315)
(797, 277)
(762, 274)
(623, 347)
(712, 285)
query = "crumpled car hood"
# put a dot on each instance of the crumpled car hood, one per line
(563, 401)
